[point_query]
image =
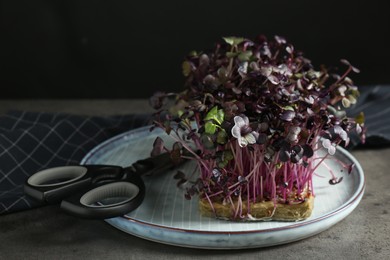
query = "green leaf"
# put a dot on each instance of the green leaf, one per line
(215, 114)
(180, 113)
(210, 127)
(245, 56)
(346, 103)
(352, 99)
(222, 164)
(231, 54)
(222, 73)
(186, 68)
(233, 40)
(220, 116)
(208, 141)
(360, 118)
(212, 113)
(338, 113)
(279, 165)
(288, 108)
(193, 54)
(355, 93)
(222, 137)
(227, 155)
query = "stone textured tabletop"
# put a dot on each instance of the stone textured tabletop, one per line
(47, 233)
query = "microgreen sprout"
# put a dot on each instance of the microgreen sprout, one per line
(254, 115)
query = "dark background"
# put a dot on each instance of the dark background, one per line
(129, 49)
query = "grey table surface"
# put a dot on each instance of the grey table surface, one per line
(47, 233)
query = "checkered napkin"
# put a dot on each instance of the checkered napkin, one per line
(30, 142)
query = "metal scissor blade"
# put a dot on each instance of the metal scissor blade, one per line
(152, 165)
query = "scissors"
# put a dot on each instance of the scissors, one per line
(96, 191)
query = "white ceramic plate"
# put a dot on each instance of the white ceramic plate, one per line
(165, 216)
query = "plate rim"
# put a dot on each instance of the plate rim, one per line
(356, 196)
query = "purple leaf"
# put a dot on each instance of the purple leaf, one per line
(351, 167)
(329, 146)
(287, 115)
(262, 138)
(242, 180)
(345, 62)
(158, 147)
(157, 100)
(273, 79)
(307, 151)
(179, 175)
(284, 156)
(290, 49)
(216, 173)
(280, 40)
(236, 90)
(176, 153)
(354, 69)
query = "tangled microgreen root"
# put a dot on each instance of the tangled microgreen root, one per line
(253, 116)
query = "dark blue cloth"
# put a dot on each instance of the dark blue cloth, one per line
(374, 102)
(30, 142)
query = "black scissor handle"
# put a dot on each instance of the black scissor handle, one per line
(106, 201)
(90, 191)
(54, 184)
